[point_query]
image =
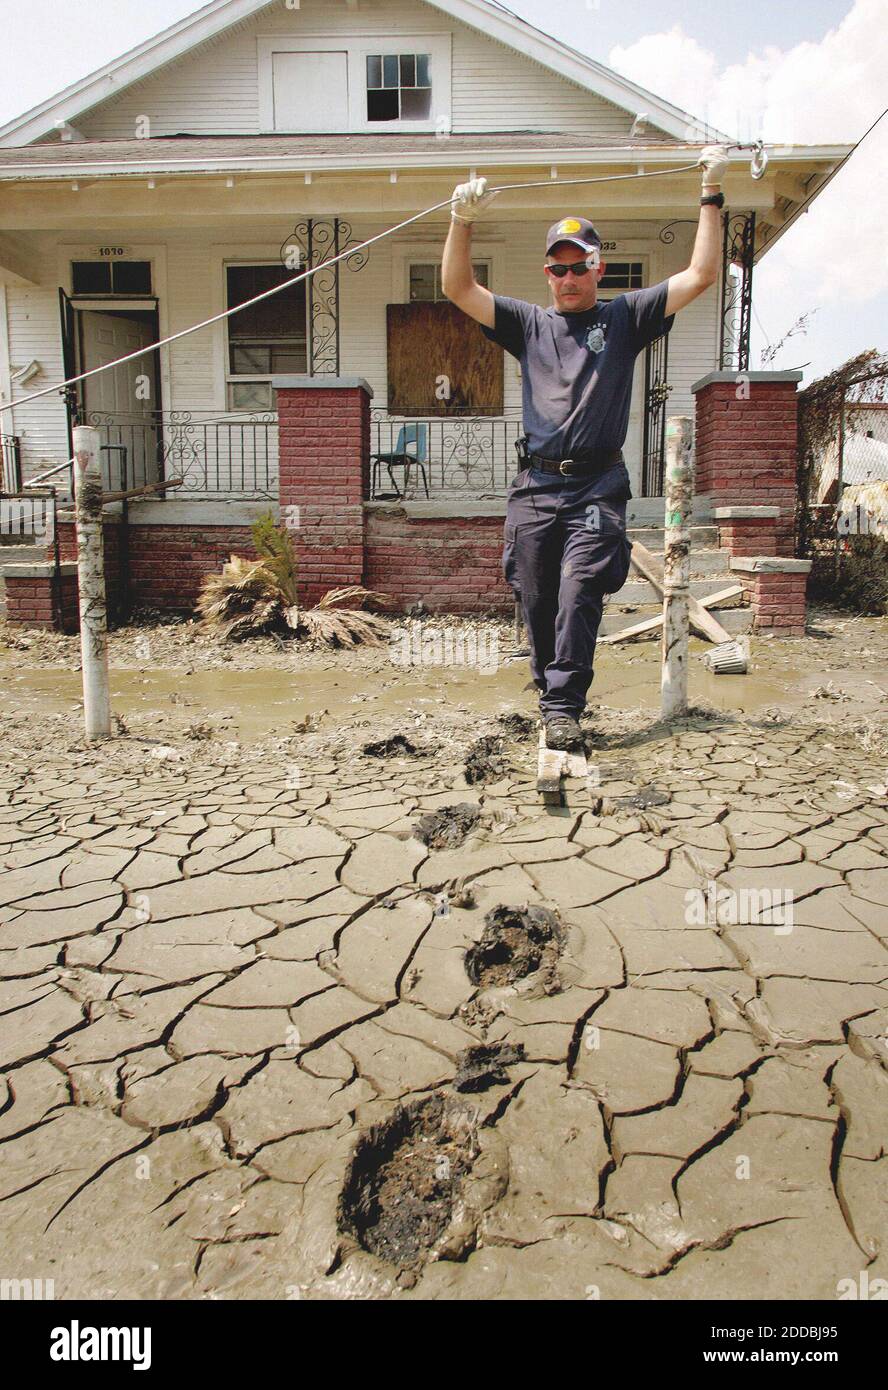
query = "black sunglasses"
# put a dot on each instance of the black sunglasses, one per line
(578, 268)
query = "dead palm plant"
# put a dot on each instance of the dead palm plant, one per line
(251, 597)
(337, 621)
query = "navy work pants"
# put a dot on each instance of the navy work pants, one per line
(565, 548)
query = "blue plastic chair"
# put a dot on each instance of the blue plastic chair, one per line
(402, 456)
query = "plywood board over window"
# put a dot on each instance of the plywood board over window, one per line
(440, 363)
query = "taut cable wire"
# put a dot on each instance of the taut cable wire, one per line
(343, 255)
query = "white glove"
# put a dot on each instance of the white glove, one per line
(714, 162)
(469, 201)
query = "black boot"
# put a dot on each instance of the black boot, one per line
(563, 732)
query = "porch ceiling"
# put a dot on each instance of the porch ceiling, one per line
(139, 186)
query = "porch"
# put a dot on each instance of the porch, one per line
(445, 550)
(464, 460)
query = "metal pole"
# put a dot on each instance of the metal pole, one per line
(91, 582)
(679, 489)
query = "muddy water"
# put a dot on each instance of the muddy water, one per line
(256, 703)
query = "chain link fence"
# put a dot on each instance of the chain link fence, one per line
(842, 522)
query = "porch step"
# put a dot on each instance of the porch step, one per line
(702, 537)
(21, 554)
(704, 561)
(638, 590)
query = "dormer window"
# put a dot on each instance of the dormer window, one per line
(355, 83)
(399, 87)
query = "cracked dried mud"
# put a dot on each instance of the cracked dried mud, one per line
(258, 1037)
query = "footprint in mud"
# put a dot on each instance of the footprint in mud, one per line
(519, 725)
(516, 942)
(388, 747)
(448, 827)
(644, 797)
(485, 761)
(404, 1179)
(484, 1065)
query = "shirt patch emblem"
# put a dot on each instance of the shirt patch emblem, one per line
(595, 338)
(570, 224)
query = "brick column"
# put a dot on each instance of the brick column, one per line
(324, 464)
(775, 589)
(745, 444)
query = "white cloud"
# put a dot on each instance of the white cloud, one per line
(835, 255)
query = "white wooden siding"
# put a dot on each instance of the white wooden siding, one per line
(34, 332)
(214, 89)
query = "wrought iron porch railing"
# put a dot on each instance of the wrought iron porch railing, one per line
(459, 453)
(10, 463)
(215, 456)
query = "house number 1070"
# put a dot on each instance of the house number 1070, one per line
(111, 250)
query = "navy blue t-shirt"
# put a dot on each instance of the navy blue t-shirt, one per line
(576, 369)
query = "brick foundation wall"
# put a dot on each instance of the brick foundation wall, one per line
(167, 564)
(745, 440)
(451, 564)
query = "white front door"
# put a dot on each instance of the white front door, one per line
(127, 394)
(128, 390)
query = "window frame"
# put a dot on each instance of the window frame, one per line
(625, 260)
(399, 87)
(358, 46)
(236, 378)
(436, 262)
(111, 262)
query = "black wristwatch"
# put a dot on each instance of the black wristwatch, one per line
(716, 200)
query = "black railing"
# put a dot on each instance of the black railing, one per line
(11, 463)
(459, 453)
(228, 456)
(656, 395)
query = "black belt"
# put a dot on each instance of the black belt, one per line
(592, 461)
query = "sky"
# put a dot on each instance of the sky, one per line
(809, 72)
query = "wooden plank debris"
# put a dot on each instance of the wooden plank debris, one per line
(704, 623)
(649, 624)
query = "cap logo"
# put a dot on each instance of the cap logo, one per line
(569, 225)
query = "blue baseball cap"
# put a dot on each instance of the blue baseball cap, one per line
(578, 230)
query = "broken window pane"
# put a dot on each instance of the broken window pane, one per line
(416, 103)
(382, 106)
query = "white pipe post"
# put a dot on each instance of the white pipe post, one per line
(679, 490)
(91, 582)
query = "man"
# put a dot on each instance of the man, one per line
(565, 530)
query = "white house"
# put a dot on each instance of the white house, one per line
(181, 179)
